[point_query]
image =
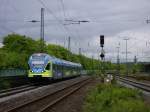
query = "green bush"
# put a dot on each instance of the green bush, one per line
(108, 98)
(17, 49)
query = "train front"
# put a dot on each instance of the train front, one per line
(39, 66)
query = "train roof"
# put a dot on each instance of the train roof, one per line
(57, 60)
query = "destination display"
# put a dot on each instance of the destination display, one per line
(38, 62)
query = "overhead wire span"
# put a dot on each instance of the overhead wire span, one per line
(63, 7)
(3, 25)
(51, 13)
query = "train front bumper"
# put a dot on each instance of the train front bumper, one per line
(43, 74)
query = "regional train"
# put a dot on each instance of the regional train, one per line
(45, 66)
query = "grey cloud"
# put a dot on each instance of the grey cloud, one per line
(112, 18)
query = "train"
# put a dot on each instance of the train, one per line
(42, 65)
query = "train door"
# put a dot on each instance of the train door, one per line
(49, 69)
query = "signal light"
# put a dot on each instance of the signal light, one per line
(102, 40)
(102, 55)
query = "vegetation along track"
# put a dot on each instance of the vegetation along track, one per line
(136, 84)
(12, 91)
(44, 103)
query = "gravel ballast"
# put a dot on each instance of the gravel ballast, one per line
(10, 102)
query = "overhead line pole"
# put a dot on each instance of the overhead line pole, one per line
(69, 43)
(126, 56)
(51, 13)
(102, 55)
(80, 51)
(42, 29)
(118, 59)
(92, 62)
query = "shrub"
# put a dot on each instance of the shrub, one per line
(113, 98)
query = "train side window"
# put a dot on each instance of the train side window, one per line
(65, 68)
(60, 67)
(54, 66)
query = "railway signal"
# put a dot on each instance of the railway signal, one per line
(102, 55)
(102, 40)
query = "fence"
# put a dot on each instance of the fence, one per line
(12, 72)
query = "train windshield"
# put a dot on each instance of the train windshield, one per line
(37, 64)
(38, 61)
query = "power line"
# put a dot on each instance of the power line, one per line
(7, 29)
(63, 7)
(12, 6)
(65, 14)
(123, 20)
(51, 13)
(3, 26)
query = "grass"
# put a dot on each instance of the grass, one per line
(113, 98)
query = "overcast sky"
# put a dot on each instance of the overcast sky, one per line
(116, 19)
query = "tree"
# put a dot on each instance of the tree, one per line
(17, 49)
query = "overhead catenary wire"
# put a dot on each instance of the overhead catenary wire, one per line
(68, 16)
(3, 25)
(51, 13)
(63, 8)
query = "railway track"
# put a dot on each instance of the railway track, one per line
(136, 84)
(12, 91)
(44, 103)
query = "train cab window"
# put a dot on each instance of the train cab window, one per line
(48, 66)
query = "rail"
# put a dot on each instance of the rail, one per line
(137, 84)
(49, 100)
